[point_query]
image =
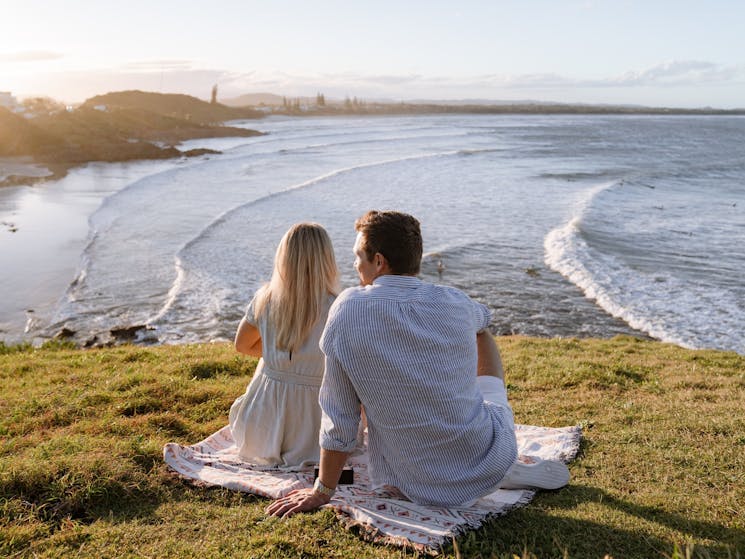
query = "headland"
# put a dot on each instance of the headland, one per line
(116, 127)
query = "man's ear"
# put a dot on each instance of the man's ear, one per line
(381, 263)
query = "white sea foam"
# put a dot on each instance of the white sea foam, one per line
(660, 304)
(208, 295)
(600, 278)
(173, 292)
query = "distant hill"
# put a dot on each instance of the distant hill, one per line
(173, 105)
(105, 135)
(254, 100)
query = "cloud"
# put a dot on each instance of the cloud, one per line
(186, 76)
(683, 72)
(158, 65)
(182, 72)
(388, 80)
(664, 74)
(684, 81)
(30, 56)
(690, 72)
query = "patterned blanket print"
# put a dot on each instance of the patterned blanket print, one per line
(382, 516)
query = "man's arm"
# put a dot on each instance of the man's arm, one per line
(304, 500)
(490, 362)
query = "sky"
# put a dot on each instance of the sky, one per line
(653, 52)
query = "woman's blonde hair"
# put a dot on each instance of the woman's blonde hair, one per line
(305, 273)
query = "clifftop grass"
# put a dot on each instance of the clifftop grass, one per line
(661, 472)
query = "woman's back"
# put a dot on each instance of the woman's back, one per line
(307, 360)
(277, 421)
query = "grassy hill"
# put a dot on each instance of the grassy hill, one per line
(660, 474)
(120, 134)
(173, 105)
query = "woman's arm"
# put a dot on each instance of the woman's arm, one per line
(248, 339)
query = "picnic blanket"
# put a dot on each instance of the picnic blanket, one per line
(382, 516)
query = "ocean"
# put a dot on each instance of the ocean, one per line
(564, 225)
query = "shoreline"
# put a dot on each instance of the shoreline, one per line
(56, 172)
(21, 170)
(145, 335)
(59, 170)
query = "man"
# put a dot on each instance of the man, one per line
(419, 358)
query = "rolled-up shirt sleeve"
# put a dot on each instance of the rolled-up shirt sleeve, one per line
(481, 316)
(340, 409)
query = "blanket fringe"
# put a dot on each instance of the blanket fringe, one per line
(372, 534)
(571, 452)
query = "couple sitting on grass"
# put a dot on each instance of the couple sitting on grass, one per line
(413, 359)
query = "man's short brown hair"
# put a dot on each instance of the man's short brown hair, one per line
(396, 236)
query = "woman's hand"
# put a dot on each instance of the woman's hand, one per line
(300, 500)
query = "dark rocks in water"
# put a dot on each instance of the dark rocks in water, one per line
(200, 151)
(92, 342)
(64, 334)
(134, 333)
(127, 332)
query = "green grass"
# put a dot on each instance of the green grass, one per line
(661, 470)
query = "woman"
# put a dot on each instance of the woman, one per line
(277, 421)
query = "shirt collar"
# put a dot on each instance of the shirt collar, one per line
(392, 280)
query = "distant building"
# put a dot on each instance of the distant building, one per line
(9, 102)
(102, 108)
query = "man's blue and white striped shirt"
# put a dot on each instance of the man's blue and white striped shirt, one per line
(407, 351)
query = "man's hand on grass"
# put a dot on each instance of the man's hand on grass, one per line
(300, 500)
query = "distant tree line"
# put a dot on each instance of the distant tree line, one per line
(319, 105)
(353, 105)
